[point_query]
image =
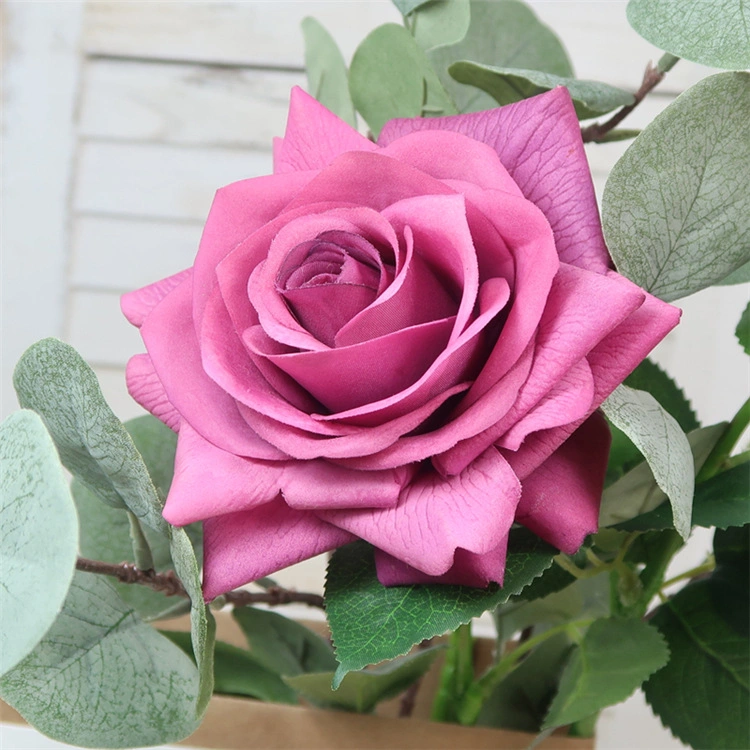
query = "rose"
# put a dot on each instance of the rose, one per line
(404, 342)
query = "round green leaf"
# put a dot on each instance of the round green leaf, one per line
(676, 208)
(440, 22)
(508, 85)
(38, 536)
(102, 678)
(710, 32)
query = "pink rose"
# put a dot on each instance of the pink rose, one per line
(404, 342)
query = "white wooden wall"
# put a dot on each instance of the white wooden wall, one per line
(121, 119)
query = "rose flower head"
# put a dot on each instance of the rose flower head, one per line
(403, 342)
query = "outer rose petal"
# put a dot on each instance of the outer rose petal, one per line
(560, 500)
(137, 305)
(146, 388)
(436, 516)
(314, 136)
(539, 143)
(242, 547)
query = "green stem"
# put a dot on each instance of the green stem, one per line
(456, 676)
(652, 575)
(144, 560)
(698, 570)
(474, 698)
(667, 62)
(726, 443)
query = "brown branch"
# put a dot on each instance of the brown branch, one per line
(596, 131)
(169, 584)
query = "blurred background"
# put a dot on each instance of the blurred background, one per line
(121, 119)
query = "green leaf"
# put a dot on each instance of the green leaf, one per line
(664, 445)
(38, 536)
(649, 377)
(282, 644)
(742, 332)
(702, 694)
(619, 134)
(508, 85)
(53, 380)
(202, 623)
(504, 34)
(730, 581)
(710, 32)
(103, 678)
(722, 501)
(522, 699)
(409, 6)
(362, 691)
(390, 76)
(440, 22)
(675, 225)
(326, 71)
(238, 672)
(614, 658)
(370, 622)
(740, 276)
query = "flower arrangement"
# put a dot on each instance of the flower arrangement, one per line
(422, 351)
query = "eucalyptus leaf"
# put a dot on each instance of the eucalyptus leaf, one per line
(505, 34)
(440, 22)
(740, 276)
(38, 536)
(613, 659)
(283, 645)
(508, 85)
(409, 6)
(702, 695)
(371, 622)
(361, 691)
(663, 444)
(326, 71)
(52, 379)
(710, 32)
(238, 672)
(742, 332)
(202, 622)
(676, 225)
(102, 678)
(390, 76)
(618, 134)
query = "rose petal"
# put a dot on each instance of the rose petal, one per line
(436, 516)
(468, 569)
(560, 500)
(145, 387)
(314, 136)
(236, 547)
(137, 305)
(539, 142)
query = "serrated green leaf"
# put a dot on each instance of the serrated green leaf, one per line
(326, 71)
(371, 623)
(730, 581)
(722, 501)
(409, 6)
(663, 444)
(742, 332)
(361, 691)
(508, 85)
(283, 645)
(440, 22)
(52, 379)
(505, 34)
(710, 32)
(740, 276)
(38, 536)
(613, 659)
(85, 682)
(202, 622)
(238, 672)
(675, 225)
(390, 76)
(702, 694)
(522, 699)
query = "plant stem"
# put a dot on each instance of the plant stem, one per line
(720, 453)
(472, 702)
(698, 570)
(169, 584)
(652, 76)
(144, 559)
(456, 676)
